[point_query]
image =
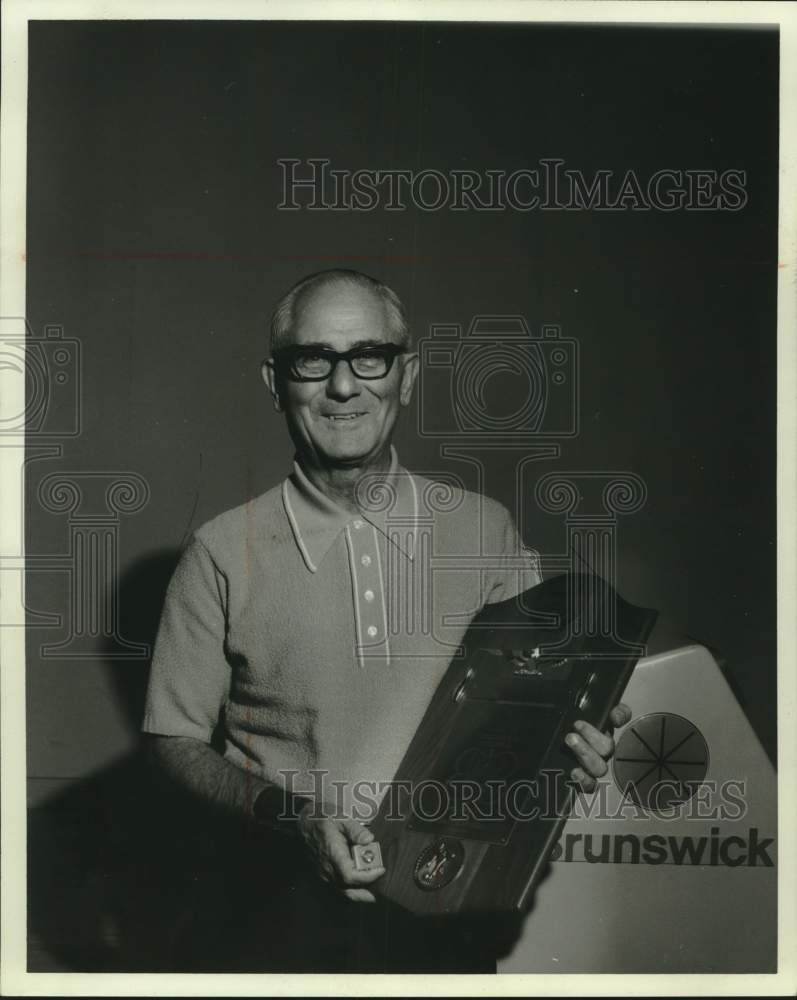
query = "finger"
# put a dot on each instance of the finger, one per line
(620, 715)
(366, 878)
(347, 874)
(326, 870)
(350, 876)
(334, 874)
(589, 758)
(356, 832)
(585, 781)
(602, 743)
(340, 856)
(359, 895)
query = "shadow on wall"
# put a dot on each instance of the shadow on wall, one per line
(110, 869)
(125, 872)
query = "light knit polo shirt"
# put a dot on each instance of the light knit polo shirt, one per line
(317, 636)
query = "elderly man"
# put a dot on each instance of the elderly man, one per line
(306, 628)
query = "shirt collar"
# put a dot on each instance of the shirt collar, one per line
(388, 501)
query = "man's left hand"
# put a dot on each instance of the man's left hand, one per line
(594, 748)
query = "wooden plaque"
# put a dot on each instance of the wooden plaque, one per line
(484, 787)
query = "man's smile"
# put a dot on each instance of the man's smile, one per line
(346, 417)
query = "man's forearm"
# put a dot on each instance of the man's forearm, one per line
(200, 770)
(196, 768)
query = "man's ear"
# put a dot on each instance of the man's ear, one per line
(269, 375)
(408, 377)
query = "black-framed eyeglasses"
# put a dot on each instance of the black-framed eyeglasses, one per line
(315, 364)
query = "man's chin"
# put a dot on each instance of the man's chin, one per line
(347, 459)
(347, 455)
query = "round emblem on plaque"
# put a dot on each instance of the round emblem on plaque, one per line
(438, 863)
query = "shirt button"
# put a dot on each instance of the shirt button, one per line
(366, 560)
(358, 524)
(369, 595)
(372, 630)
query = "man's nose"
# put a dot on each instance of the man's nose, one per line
(342, 383)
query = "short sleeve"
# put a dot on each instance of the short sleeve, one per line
(509, 580)
(190, 677)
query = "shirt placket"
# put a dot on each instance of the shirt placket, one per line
(368, 593)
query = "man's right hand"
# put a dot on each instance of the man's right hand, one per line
(330, 842)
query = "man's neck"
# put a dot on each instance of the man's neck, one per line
(339, 483)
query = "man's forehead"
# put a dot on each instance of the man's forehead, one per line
(340, 310)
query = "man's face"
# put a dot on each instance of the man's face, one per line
(344, 420)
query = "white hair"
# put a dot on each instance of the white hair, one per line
(283, 318)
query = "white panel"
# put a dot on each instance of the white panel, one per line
(668, 917)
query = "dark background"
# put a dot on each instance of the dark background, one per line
(154, 239)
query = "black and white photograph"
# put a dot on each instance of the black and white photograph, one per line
(397, 497)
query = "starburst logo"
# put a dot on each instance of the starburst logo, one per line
(660, 761)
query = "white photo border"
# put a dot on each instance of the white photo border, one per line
(16, 14)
